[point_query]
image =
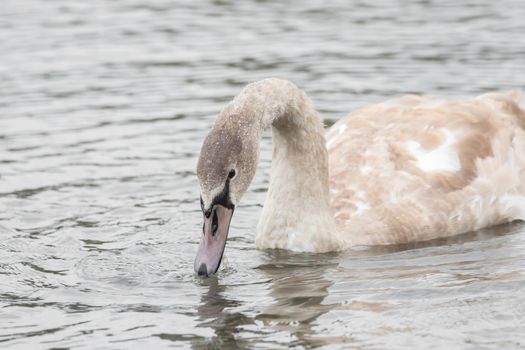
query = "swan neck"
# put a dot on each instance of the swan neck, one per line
(297, 213)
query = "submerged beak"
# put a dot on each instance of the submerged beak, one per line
(215, 233)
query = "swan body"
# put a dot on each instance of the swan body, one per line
(409, 169)
(415, 168)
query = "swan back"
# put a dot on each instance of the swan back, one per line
(419, 168)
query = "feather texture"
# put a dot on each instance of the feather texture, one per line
(418, 168)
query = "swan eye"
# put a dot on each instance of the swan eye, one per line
(231, 174)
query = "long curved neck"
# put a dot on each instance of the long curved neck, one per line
(297, 212)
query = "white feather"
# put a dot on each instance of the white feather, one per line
(443, 158)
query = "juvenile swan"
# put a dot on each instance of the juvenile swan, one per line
(408, 169)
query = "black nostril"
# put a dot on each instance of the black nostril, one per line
(214, 223)
(202, 270)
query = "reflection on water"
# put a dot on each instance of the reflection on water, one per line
(103, 107)
(298, 293)
(211, 312)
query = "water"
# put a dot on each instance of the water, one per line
(103, 107)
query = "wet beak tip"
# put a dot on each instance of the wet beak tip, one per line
(203, 271)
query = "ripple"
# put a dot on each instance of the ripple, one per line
(102, 122)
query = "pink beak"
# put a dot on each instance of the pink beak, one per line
(213, 242)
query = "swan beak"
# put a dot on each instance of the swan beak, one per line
(215, 233)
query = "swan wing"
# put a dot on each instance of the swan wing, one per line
(419, 168)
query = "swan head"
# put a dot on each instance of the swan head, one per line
(226, 167)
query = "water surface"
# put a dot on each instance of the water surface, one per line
(103, 107)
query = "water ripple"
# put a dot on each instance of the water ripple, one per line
(102, 121)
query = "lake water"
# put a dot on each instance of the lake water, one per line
(103, 108)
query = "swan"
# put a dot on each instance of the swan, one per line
(408, 169)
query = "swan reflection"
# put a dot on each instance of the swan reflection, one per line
(299, 295)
